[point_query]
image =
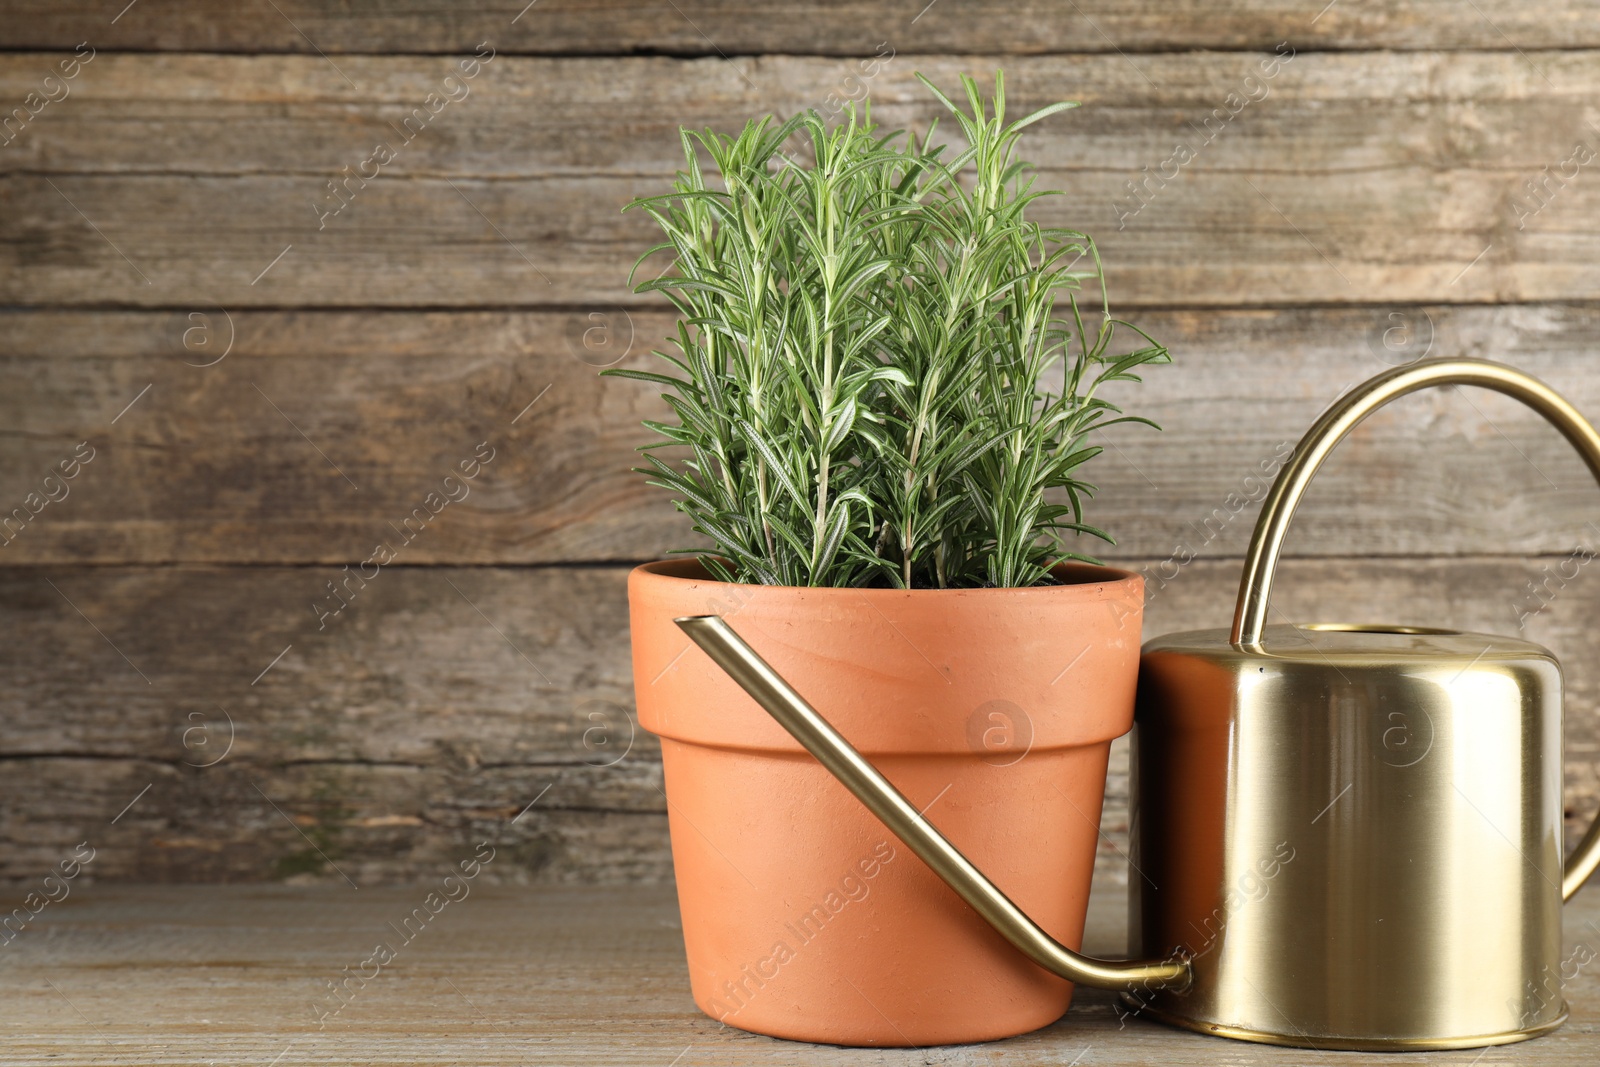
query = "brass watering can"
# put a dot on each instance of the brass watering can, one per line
(1350, 836)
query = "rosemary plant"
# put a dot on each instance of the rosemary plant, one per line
(861, 362)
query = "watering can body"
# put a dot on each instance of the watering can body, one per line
(1354, 834)
(1344, 837)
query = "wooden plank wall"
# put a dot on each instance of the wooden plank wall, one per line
(267, 388)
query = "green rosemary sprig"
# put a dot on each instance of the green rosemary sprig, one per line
(859, 375)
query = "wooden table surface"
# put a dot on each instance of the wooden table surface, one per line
(234, 975)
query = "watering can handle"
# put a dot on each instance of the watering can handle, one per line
(1261, 560)
(729, 651)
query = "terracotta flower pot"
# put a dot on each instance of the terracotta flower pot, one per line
(803, 917)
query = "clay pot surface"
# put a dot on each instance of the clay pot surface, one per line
(803, 917)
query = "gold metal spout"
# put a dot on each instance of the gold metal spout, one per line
(729, 651)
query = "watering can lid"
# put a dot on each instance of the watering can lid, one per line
(1355, 644)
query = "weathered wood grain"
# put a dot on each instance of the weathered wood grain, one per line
(191, 974)
(1374, 176)
(413, 725)
(317, 436)
(407, 724)
(235, 463)
(1383, 176)
(463, 669)
(713, 27)
(235, 116)
(370, 823)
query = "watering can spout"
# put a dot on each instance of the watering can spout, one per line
(729, 651)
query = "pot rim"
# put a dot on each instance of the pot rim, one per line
(1080, 575)
(898, 670)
